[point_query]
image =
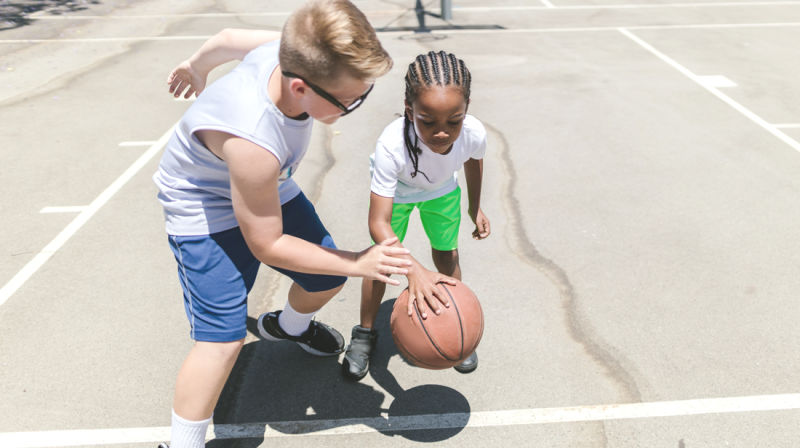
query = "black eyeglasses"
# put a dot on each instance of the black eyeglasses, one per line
(345, 109)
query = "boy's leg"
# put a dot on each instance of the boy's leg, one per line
(305, 302)
(301, 307)
(309, 292)
(216, 273)
(202, 377)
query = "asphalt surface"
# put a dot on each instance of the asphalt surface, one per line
(644, 247)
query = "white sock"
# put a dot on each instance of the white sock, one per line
(188, 434)
(292, 322)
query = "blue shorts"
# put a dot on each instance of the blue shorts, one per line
(217, 272)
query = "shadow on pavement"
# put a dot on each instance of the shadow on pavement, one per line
(279, 382)
(16, 14)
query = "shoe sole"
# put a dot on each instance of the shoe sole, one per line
(470, 370)
(315, 352)
(264, 334)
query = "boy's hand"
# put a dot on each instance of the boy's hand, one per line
(381, 260)
(482, 228)
(422, 285)
(185, 76)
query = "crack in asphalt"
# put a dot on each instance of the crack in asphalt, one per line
(329, 162)
(580, 330)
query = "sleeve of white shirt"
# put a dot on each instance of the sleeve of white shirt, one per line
(384, 173)
(478, 141)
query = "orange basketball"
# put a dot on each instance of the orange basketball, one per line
(443, 341)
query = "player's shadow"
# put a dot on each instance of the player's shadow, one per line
(278, 382)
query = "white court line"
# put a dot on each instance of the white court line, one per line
(76, 208)
(137, 143)
(42, 15)
(788, 125)
(548, 5)
(741, 109)
(41, 258)
(105, 39)
(616, 28)
(450, 32)
(408, 423)
(716, 81)
(632, 6)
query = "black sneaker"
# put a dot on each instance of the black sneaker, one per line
(469, 364)
(163, 445)
(356, 359)
(319, 339)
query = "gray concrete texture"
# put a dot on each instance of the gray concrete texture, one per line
(644, 244)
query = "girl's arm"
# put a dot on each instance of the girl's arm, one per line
(227, 45)
(473, 171)
(421, 282)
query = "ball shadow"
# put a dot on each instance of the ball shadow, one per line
(428, 399)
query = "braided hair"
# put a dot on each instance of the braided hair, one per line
(427, 70)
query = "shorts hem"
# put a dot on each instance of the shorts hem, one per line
(327, 286)
(219, 336)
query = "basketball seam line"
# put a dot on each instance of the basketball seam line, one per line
(422, 324)
(460, 324)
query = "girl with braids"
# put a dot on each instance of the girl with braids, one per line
(415, 165)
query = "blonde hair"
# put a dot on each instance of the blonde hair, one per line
(325, 38)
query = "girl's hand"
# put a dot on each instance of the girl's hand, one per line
(184, 76)
(482, 228)
(422, 285)
(381, 260)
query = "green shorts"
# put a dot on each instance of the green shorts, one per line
(440, 217)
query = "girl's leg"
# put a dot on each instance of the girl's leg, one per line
(446, 262)
(355, 364)
(371, 296)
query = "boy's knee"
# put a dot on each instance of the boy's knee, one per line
(224, 350)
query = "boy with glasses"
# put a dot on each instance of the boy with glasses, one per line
(230, 203)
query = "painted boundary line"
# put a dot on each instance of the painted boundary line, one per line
(698, 79)
(448, 32)
(415, 422)
(41, 258)
(468, 9)
(616, 28)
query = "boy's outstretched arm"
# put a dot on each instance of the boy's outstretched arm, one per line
(254, 175)
(473, 171)
(227, 45)
(421, 282)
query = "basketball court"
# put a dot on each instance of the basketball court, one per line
(639, 287)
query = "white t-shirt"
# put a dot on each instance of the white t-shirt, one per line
(391, 165)
(194, 184)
